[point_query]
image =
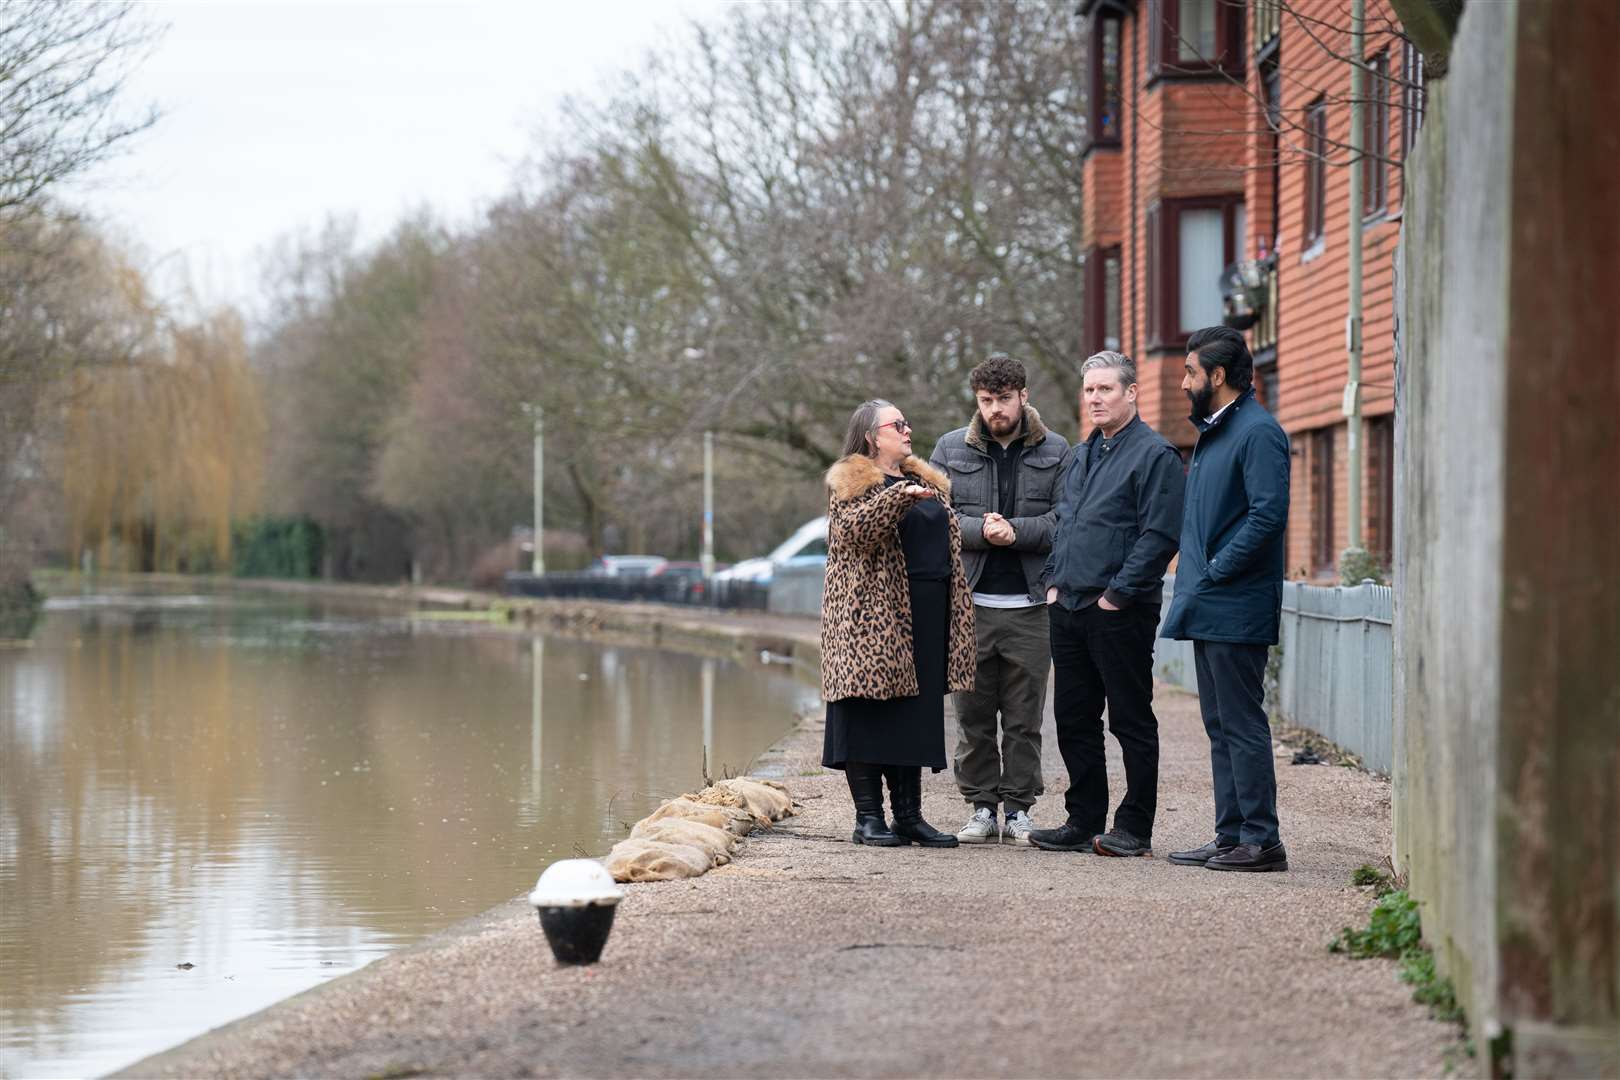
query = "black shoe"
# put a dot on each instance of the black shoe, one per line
(873, 831)
(1200, 856)
(1066, 837)
(1252, 858)
(905, 797)
(866, 789)
(1118, 842)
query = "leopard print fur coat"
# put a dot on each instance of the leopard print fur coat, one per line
(866, 605)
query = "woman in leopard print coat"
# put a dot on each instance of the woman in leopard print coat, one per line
(896, 624)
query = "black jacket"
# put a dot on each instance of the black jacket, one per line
(1117, 523)
(974, 492)
(1229, 580)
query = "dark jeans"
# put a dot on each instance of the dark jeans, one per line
(1231, 695)
(1106, 657)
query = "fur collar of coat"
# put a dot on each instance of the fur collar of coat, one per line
(1034, 430)
(853, 476)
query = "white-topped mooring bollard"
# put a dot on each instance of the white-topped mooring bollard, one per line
(576, 899)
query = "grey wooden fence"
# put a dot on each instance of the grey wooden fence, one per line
(1335, 671)
(1334, 674)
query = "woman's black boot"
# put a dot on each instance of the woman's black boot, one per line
(905, 795)
(866, 788)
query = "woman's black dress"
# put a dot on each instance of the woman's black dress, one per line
(906, 730)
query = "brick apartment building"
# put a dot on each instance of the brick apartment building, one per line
(1219, 149)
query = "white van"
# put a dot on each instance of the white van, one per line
(808, 541)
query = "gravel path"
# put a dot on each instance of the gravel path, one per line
(810, 956)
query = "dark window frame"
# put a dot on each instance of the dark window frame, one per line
(1102, 17)
(1314, 226)
(1375, 138)
(1164, 262)
(1097, 260)
(1412, 93)
(1381, 485)
(1271, 99)
(1164, 41)
(1323, 555)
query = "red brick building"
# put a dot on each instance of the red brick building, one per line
(1219, 137)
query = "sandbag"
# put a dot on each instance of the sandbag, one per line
(730, 818)
(767, 800)
(718, 796)
(718, 843)
(655, 860)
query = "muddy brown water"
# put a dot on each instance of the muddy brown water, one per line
(211, 802)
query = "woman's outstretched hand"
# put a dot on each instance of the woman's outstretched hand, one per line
(918, 491)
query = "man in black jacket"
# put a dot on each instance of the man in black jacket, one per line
(1118, 517)
(1228, 598)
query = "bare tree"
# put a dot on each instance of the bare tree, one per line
(63, 66)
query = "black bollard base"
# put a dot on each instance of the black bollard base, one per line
(577, 934)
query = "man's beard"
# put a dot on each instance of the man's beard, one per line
(1005, 426)
(1201, 400)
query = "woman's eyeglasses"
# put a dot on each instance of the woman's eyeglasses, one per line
(898, 425)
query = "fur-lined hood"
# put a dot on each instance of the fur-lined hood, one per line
(853, 476)
(1034, 430)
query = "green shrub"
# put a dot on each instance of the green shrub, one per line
(277, 548)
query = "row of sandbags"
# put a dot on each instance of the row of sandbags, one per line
(690, 835)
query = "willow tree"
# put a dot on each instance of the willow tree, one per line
(163, 454)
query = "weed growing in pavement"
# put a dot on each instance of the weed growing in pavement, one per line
(1367, 874)
(1395, 929)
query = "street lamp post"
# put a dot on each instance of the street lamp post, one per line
(538, 415)
(708, 505)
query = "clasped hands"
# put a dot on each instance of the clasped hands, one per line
(998, 530)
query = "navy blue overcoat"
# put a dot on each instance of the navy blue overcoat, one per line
(1229, 579)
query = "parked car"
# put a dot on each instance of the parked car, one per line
(684, 580)
(626, 565)
(809, 539)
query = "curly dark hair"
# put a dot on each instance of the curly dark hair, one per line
(998, 374)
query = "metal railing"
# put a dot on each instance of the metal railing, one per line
(1334, 667)
(1267, 23)
(658, 589)
(1265, 328)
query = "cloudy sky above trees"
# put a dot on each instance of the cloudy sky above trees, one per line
(278, 114)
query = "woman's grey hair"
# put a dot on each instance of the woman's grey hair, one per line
(861, 423)
(1109, 359)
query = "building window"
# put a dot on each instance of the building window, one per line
(1152, 260)
(1195, 37)
(1106, 83)
(1111, 300)
(1381, 488)
(1375, 138)
(1315, 172)
(1322, 553)
(1190, 242)
(1271, 83)
(1411, 96)
(1103, 299)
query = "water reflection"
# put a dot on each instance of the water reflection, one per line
(279, 794)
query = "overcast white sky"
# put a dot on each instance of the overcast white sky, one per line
(277, 114)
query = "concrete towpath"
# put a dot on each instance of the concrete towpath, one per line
(809, 956)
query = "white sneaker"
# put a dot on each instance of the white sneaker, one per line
(1017, 829)
(980, 829)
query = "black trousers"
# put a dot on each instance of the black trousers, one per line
(1099, 658)
(1231, 695)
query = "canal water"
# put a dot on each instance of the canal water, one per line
(211, 802)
